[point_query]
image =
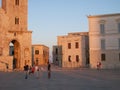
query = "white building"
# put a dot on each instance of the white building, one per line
(104, 39)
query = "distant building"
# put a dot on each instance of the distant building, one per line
(72, 50)
(40, 54)
(104, 39)
(57, 55)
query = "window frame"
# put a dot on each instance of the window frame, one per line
(16, 20)
(103, 44)
(103, 57)
(36, 52)
(102, 28)
(17, 2)
(77, 58)
(69, 58)
(56, 51)
(76, 45)
(69, 45)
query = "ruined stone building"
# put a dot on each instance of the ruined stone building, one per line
(72, 50)
(14, 34)
(40, 54)
(104, 39)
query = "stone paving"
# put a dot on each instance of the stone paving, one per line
(74, 79)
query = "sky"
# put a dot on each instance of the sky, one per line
(51, 18)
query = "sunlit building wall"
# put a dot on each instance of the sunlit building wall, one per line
(40, 54)
(74, 50)
(104, 39)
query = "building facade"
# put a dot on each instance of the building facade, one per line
(40, 54)
(57, 55)
(104, 39)
(14, 31)
(72, 50)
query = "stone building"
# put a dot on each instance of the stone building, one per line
(57, 55)
(104, 39)
(40, 54)
(14, 31)
(72, 50)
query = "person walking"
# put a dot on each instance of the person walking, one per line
(37, 71)
(26, 68)
(49, 70)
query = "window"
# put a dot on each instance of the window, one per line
(69, 58)
(56, 51)
(76, 45)
(36, 51)
(77, 58)
(102, 28)
(16, 20)
(69, 45)
(119, 27)
(103, 57)
(102, 44)
(16, 2)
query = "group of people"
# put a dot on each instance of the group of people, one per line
(36, 70)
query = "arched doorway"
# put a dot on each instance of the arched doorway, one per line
(14, 50)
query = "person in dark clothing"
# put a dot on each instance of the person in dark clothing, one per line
(49, 70)
(26, 68)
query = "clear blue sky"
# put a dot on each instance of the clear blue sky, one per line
(51, 18)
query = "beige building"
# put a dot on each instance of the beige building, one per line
(72, 50)
(40, 54)
(14, 31)
(104, 39)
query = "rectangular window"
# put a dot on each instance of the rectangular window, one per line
(36, 51)
(76, 45)
(56, 51)
(103, 57)
(69, 58)
(69, 45)
(119, 27)
(16, 20)
(16, 2)
(102, 28)
(77, 58)
(102, 44)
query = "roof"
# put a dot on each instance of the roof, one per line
(104, 15)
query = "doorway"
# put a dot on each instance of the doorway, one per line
(14, 50)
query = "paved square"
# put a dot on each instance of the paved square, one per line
(77, 79)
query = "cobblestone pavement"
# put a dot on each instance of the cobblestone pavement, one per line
(75, 79)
